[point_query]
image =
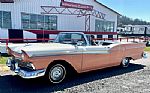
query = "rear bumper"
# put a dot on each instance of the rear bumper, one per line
(27, 74)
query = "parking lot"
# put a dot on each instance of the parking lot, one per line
(134, 79)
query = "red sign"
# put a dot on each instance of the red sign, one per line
(76, 5)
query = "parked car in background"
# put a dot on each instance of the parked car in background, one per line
(70, 52)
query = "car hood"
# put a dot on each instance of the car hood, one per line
(44, 49)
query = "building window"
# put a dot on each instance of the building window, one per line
(5, 19)
(34, 21)
(104, 26)
(40, 21)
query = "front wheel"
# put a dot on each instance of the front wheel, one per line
(57, 73)
(125, 62)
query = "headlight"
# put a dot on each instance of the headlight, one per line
(7, 50)
(22, 56)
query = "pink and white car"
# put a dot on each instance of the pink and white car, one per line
(70, 52)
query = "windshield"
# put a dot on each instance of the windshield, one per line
(70, 38)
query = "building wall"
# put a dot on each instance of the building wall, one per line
(64, 22)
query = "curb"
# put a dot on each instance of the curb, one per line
(4, 68)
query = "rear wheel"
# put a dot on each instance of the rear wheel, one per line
(57, 73)
(125, 62)
(144, 55)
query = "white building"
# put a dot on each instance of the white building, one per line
(27, 15)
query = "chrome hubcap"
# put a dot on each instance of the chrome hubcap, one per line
(125, 62)
(144, 55)
(57, 73)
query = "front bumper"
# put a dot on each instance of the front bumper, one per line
(32, 74)
(27, 74)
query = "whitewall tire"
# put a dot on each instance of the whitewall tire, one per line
(57, 73)
(125, 62)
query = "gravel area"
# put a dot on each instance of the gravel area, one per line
(134, 79)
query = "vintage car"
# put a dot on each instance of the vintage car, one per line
(70, 52)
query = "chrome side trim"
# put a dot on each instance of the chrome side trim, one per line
(75, 53)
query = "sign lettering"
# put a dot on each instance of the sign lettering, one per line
(76, 5)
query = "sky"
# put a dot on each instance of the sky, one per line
(130, 8)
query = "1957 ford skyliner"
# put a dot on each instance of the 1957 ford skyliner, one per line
(70, 51)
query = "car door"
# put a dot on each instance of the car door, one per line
(95, 57)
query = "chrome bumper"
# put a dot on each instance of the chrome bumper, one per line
(32, 74)
(23, 73)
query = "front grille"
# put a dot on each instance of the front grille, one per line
(22, 65)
